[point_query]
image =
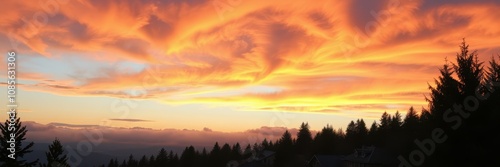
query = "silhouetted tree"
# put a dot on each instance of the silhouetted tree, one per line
(285, 151)
(215, 156)
(492, 109)
(385, 121)
(442, 96)
(350, 132)
(21, 150)
(188, 157)
(113, 163)
(256, 147)
(144, 161)
(373, 133)
(161, 158)
(174, 158)
(236, 151)
(56, 156)
(304, 139)
(411, 121)
(271, 146)
(131, 161)
(327, 141)
(124, 164)
(152, 160)
(492, 92)
(361, 133)
(469, 70)
(225, 153)
(396, 122)
(265, 144)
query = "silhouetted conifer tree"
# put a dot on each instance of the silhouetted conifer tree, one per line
(304, 140)
(442, 96)
(21, 150)
(188, 157)
(144, 161)
(131, 162)
(215, 156)
(236, 152)
(284, 154)
(56, 156)
(161, 158)
(325, 141)
(373, 134)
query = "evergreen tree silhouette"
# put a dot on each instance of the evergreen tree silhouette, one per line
(492, 88)
(350, 133)
(55, 155)
(396, 122)
(284, 154)
(411, 123)
(373, 134)
(113, 163)
(124, 164)
(385, 122)
(470, 75)
(265, 144)
(152, 160)
(131, 161)
(443, 95)
(304, 140)
(161, 158)
(271, 146)
(469, 70)
(236, 152)
(361, 133)
(411, 129)
(225, 153)
(188, 157)
(144, 161)
(492, 108)
(20, 150)
(174, 158)
(247, 153)
(215, 156)
(325, 141)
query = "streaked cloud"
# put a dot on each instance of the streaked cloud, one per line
(57, 124)
(130, 120)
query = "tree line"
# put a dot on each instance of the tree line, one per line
(462, 103)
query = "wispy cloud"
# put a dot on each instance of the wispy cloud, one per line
(57, 124)
(130, 120)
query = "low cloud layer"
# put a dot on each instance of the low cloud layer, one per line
(145, 137)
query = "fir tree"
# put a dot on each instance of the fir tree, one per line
(56, 156)
(304, 139)
(19, 132)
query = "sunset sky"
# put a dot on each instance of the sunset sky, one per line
(233, 65)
